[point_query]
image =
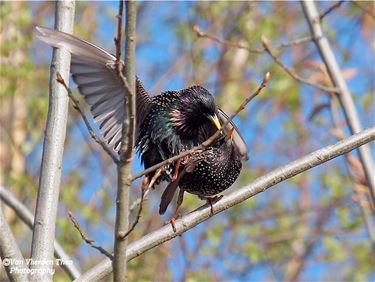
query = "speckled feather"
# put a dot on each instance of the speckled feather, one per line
(213, 171)
(206, 173)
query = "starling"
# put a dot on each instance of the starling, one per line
(177, 121)
(167, 124)
(207, 173)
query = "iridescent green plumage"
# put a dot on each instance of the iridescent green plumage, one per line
(177, 121)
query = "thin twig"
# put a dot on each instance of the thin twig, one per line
(203, 34)
(210, 140)
(143, 193)
(138, 201)
(119, 64)
(84, 237)
(297, 41)
(291, 73)
(330, 9)
(89, 128)
(200, 33)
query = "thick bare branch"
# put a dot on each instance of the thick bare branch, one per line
(127, 141)
(27, 217)
(261, 184)
(50, 176)
(10, 253)
(345, 97)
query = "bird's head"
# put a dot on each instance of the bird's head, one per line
(196, 115)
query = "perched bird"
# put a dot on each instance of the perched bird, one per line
(167, 124)
(206, 173)
(177, 121)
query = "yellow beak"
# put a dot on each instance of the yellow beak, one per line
(215, 121)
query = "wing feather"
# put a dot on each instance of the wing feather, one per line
(94, 72)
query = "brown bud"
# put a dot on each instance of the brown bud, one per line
(267, 77)
(197, 30)
(264, 41)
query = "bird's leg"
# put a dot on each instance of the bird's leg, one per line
(211, 200)
(155, 177)
(175, 214)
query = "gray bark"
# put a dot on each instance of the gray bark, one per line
(11, 256)
(126, 151)
(49, 183)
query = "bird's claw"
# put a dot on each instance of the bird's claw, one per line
(172, 222)
(211, 201)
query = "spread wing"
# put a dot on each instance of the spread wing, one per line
(93, 69)
(238, 140)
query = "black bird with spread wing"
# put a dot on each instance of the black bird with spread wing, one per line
(167, 124)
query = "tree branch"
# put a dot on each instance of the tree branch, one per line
(10, 253)
(84, 237)
(200, 33)
(330, 9)
(50, 174)
(345, 97)
(261, 184)
(203, 34)
(143, 193)
(290, 72)
(85, 120)
(27, 217)
(127, 140)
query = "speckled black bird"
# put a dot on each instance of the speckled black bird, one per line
(167, 124)
(206, 173)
